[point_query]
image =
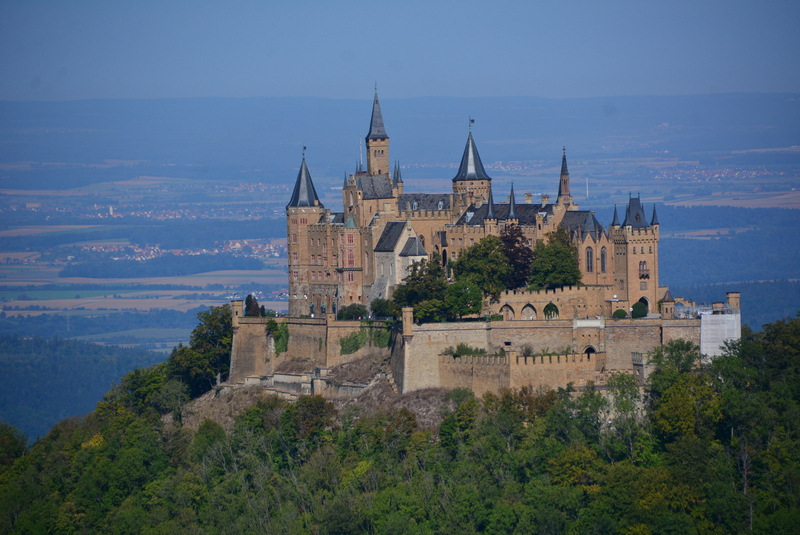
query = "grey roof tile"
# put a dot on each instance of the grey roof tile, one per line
(413, 247)
(634, 214)
(376, 128)
(304, 193)
(375, 186)
(390, 236)
(471, 166)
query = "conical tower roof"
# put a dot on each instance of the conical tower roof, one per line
(668, 298)
(654, 221)
(616, 217)
(563, 183)
(398, 177)
(512, 205)
(471, 166)
(490, 208)
(304, 193)
(376, 128)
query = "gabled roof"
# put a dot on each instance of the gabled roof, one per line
(375, 186)
(304, 193)
(376, 129)
(634, 215)
(424, 201)
(526, 213)
(471, 166)
(582, 222)
(413, 247)
(391, 234)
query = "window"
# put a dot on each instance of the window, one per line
(589, 260)
(351, 259)
(313, 259)
(644, 273)
(350, 239)
(325, 261)
(621, 284)
(351, 277)
(325, 249)
(642, 250)
(643, 285)
(651, 249)
(459, 242)
(603, 260)
(294, 238)
(634, 250)
(313, 275)
(294, 258)
(294, 275)
(472, 241)
(366, 263)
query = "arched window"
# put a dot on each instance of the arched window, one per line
(651, 249)
(351, 259)
(642, 250)
(589, 260)
(603, 260)
(422, 240)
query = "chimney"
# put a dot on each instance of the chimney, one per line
(528, 198)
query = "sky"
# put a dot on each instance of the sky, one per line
(69, 50)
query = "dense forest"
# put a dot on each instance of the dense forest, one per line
(703, 448)
(47, 380)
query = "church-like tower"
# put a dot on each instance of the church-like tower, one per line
(636, 255)
(304, 209)
(564, 196)
(471, 178)
(377, 142)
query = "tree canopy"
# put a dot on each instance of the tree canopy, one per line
(555, 264)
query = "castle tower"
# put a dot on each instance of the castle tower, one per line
(397, 180)
(471, 177)
(564, 196)
(636, 255)
(377, 142)
(304, 209)
(512, 206)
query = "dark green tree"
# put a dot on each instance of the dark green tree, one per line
(462, 298)
(519, 255)
(251, 308)
(639, 310)
(425, 282)
(354, 311)
(556, 263)
(486, 264)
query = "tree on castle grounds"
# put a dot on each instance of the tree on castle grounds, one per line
(425, 281)
(556, 263)
(519, 255)
(251, 308)
(463, 298)
(486, 265)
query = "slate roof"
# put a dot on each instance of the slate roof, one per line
(375, 186)
(471, 166)
(512, 205)
(390, 236)
(376, 129)
(304, 193)
(564, 171)
(634, 214)
(425, 201)
(350, 223)
(654, 221)
(584, 222)
(526, 213)
(413, 247)
(337, 218)
(616, 218)
(668, 298)
(490, 213)
(397, 177)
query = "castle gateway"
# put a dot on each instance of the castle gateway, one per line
(548, 337)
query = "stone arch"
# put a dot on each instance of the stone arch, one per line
(589, 352)
(528, 312)
(646, 303)
(507, 312)
(550, 311)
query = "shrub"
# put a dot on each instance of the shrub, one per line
(639, 310)
(620, 314)
(352, 312)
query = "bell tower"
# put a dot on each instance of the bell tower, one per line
(377, 142)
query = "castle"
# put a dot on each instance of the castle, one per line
(364, 251)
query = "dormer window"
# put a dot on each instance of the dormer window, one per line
(414, 206)
(441, 205)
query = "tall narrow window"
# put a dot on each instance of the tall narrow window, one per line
(603, 260)
(351, 260)
(589, 260)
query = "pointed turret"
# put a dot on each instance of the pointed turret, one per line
(616, 217)
(634, 215)
(563, 183)
(654, 221)
(490, 210)
(377, 142)
(471, 167)
(668, 298)
(304, 193)
(376, 128)
(398, 176)
(345, 180)
(512, 205)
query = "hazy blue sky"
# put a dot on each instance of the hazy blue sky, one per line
(567, 48)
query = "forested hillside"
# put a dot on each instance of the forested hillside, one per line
(47, 380)
(703, 449)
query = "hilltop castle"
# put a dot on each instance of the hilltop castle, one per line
(546, 338)
(354, 256)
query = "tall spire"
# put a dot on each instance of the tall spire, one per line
(304, 193)
(490, 210)
(471, 167)
(563, 183)
(654, 221)
(398, 177)
(616, 218)
(376, 128)
(512, 205)
(345, 179)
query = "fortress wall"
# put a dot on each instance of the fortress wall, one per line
(556, 370)
(624, 337)
(572, 301)
(397, 362)
(341, 329)
(252, 351)
(552, 335)
(426, 342)
(478, 373)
